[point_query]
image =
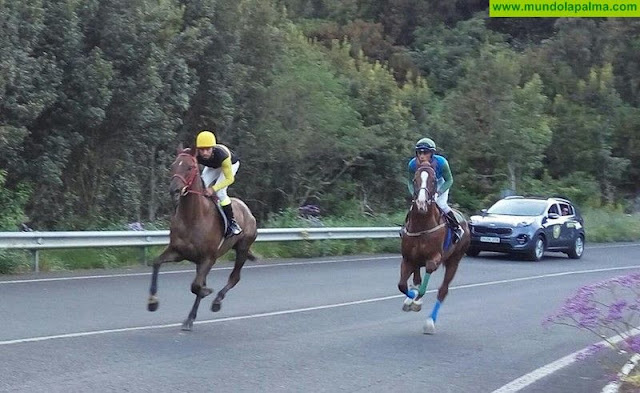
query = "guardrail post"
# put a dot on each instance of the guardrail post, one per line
(144, 255)
(36, 260)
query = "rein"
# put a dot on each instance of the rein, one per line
(188, 181)
(425, 232)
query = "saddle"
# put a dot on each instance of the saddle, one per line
(448, 240)
(224, 222)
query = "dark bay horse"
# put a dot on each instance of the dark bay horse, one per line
(427, 242)
(197, 234)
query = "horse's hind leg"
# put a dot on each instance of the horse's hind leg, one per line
(450, 271)
(242, 253)
(199, 288)
(168, 255)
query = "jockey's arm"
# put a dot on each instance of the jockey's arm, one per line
(411, 169)
(447, 176)
(228, 175)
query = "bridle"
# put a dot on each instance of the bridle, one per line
(430, 195)
(429, 200)
(191, 176)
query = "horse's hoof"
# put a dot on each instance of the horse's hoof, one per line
(416, 305)
(406, 306)
(429, 327)
(153, 304)
(215, 307)
(204, 292)
(187, 325)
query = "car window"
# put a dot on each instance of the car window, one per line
(518, 207)
(566, 209)
(554, 209)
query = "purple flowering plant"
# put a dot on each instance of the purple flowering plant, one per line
(609, 309)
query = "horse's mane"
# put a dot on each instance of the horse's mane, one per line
(424, 166)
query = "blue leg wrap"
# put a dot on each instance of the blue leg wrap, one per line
(436, 309)
(412, 294)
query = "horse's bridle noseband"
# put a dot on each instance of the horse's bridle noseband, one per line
(188, 181)
(430, 196)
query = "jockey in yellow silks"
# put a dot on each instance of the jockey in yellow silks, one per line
(220, 167)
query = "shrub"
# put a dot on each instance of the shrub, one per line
(12, 262)
(606, 309)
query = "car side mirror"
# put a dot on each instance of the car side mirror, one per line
(483, 212)
(553, 216)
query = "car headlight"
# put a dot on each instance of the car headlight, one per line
(524, 223)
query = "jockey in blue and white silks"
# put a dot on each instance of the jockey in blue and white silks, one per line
(425, 153)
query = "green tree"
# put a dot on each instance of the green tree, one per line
(310, 133)
(584, 134)
(12, 204)
(441, 52)
(499, 127)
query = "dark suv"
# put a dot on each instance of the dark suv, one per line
(528, 226)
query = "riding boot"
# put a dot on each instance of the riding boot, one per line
(455, 225)
(234, 228)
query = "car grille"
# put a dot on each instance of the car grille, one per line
(492, 230)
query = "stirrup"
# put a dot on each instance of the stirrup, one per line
(457, 234)
(234, 229)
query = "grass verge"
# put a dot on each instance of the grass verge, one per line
(601, 226)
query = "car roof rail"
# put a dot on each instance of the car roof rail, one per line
(561, 198)
(514, 197)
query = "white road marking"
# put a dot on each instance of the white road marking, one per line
(219, 320)
(614, 386)
(299, 310)
(526, 380)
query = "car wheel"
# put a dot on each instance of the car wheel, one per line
(538, 250)
(578, 248)
(473, 252)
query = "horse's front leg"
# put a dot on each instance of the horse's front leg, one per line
(406, 269)
(198, 288)
(417, 279)
(431, 265)
(168, 255)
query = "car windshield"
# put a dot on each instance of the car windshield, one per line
(518, 207)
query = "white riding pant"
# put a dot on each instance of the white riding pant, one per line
(443, 198)
(211, 176)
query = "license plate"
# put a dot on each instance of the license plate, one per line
(489, 239)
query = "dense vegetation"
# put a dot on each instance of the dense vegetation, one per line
(322, 99)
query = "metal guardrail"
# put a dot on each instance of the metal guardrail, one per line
(35, 241)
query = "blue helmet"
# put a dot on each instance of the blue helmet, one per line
(425, 144)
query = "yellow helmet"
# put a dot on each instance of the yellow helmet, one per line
(205, 139)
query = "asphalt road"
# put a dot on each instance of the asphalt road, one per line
(317, 325)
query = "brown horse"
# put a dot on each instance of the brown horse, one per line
(427, 242)
(197, 234)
